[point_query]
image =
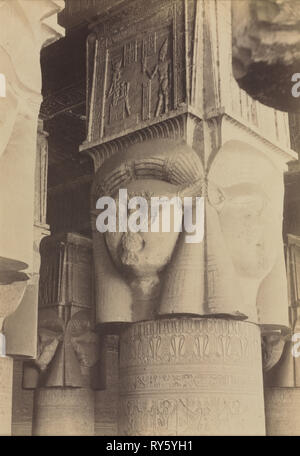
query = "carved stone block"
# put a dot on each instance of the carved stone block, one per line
(67, 342)
(145, 274)
(170, 59)
(191, 377)
(141, 76)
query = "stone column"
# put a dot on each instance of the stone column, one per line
(282, 382)
(191, 376)
(66, 368)
(24, 320)
(19, 108)
(167, 118)
(63, 412)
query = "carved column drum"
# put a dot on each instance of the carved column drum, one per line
(191, 376)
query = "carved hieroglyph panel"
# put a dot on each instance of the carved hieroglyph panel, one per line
(191, 377)
(135, 74)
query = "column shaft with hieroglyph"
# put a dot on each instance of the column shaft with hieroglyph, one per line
(166, 115)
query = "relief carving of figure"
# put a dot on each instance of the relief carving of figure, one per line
(161, 69)
(119, 89)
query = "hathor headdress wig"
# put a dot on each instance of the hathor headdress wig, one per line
(201, 278)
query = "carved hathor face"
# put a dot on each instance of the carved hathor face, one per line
(153, 169)
(144, 253)
(249, 228)
(250, 221)
(128, 265)
(237, 267)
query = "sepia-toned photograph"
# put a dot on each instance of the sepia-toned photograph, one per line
(149, 220)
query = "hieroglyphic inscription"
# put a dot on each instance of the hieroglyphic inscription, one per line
(186, 340)
(205, 415)
(186, 376)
